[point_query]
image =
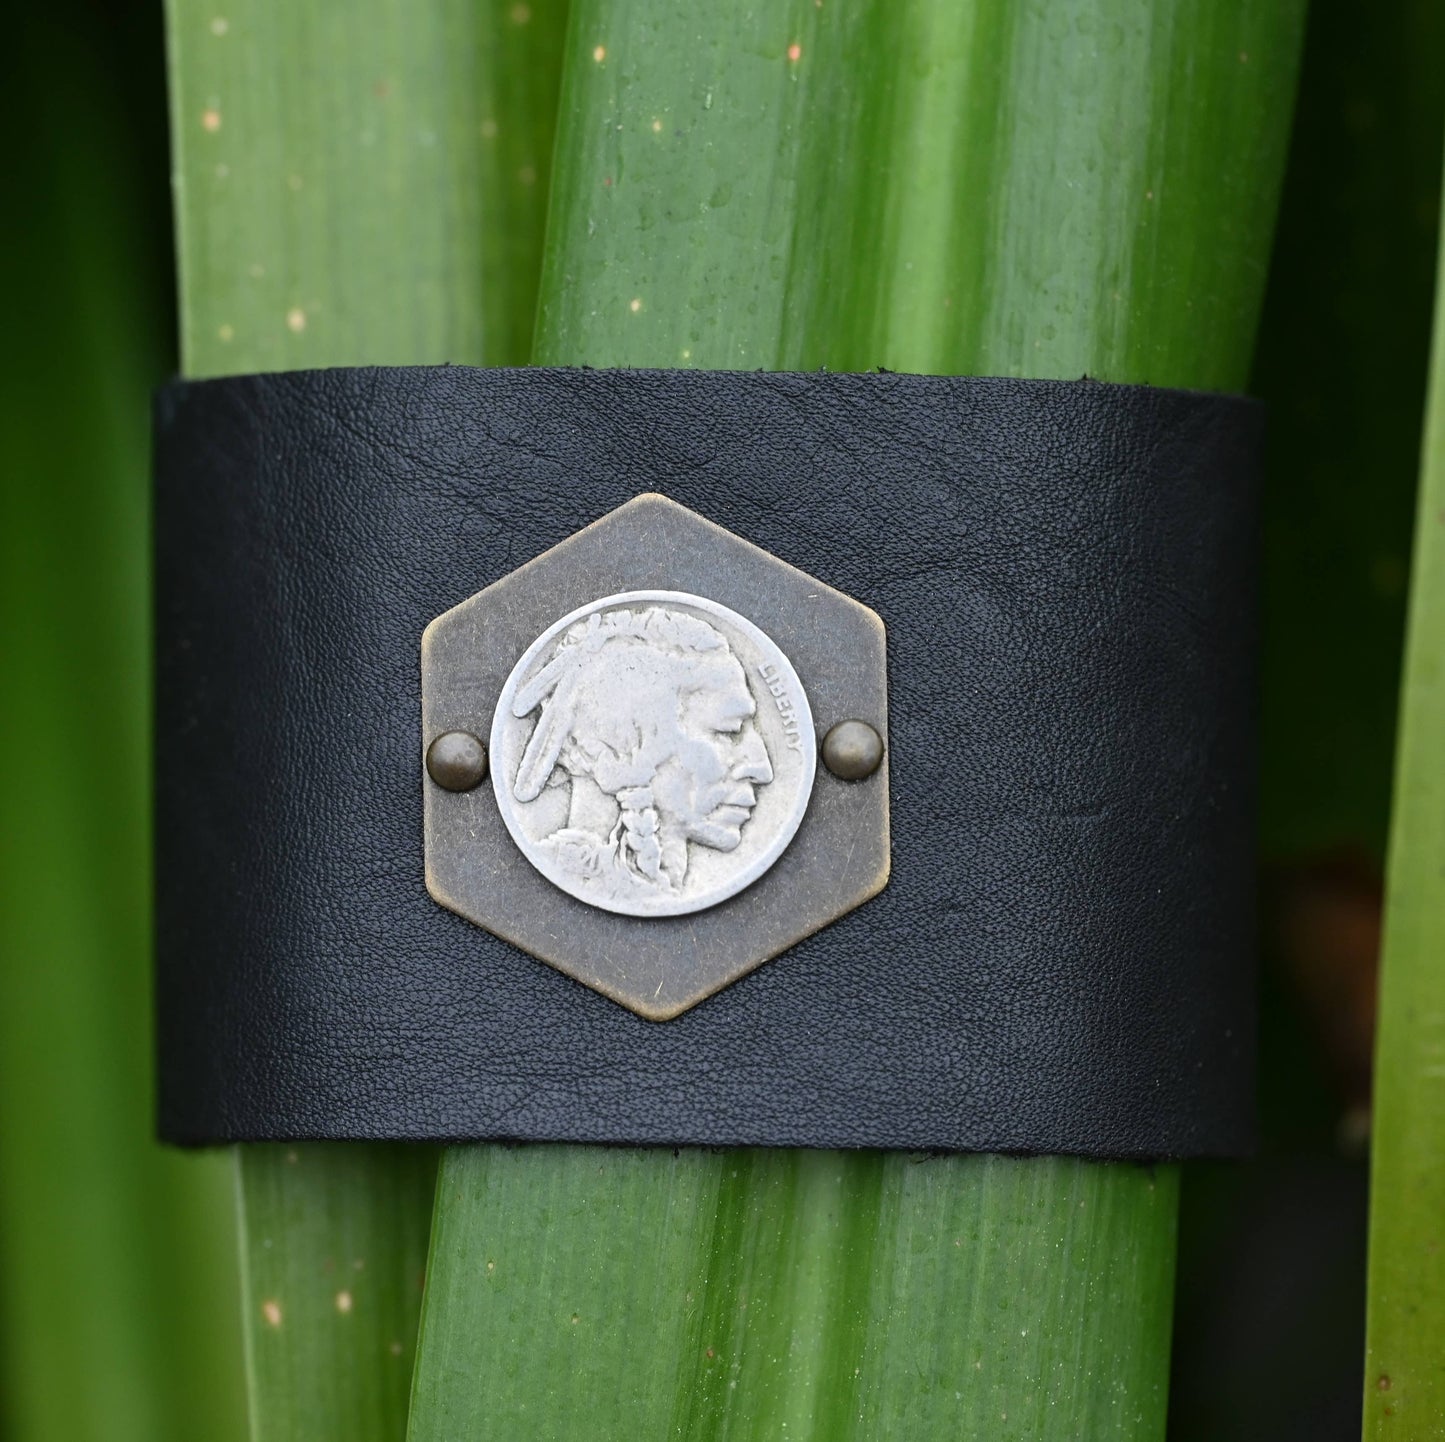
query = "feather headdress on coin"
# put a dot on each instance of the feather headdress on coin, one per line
(577, 689)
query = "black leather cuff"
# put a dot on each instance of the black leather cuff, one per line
(1062, 960)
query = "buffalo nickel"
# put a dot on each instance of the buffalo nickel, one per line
(653, 753)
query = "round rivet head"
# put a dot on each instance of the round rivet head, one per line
(852, 750)
(456, 761)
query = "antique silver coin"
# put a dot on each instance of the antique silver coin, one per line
(652, 753)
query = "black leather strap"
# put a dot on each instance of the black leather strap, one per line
(1062, 961)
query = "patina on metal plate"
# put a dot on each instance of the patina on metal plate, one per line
(653, 753)
(655, 905)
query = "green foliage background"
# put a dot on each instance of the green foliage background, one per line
(119, 1310)
(118, 1293)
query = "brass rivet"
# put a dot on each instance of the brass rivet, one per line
(852, 750)
(456, 761)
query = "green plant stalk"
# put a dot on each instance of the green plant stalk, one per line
(117, 1270)
(1039, 190)
(354, 184)
(1404, 1381)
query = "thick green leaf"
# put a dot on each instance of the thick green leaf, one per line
(333, 1242)
(1404, 1380)
(576, 1292)
(354, 183)
(929, 186)
(1045, 190)
(359, 183)
(117, 1258)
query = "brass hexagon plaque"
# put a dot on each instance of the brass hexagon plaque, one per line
(651, 690)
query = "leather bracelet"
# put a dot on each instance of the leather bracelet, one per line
(423, 890)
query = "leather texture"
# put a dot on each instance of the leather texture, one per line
(1063, 959)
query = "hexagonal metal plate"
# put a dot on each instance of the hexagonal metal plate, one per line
(657, 966)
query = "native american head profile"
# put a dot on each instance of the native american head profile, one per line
(647, 715)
